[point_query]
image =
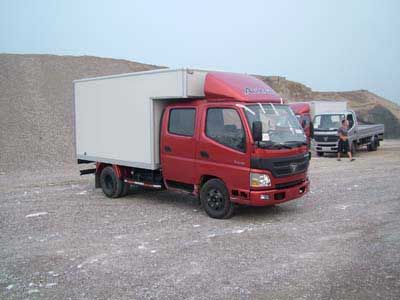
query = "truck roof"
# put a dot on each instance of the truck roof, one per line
(214, 85)
(335, 112)
(300, 107)
(238, 87)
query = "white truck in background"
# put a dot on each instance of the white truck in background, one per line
(327, 117)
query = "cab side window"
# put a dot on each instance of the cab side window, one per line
(350, 120)
(181, 121)
(305, 120)
(224, 126)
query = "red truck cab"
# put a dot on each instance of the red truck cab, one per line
(239, 145)
(302, 110)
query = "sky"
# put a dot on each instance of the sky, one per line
(327, 45)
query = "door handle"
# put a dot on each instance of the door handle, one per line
(167, 149)
(204, 154)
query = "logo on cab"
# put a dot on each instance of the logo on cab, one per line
(293, 167)
(257, 91)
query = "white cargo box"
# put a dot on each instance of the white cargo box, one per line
(117, 118)
(322, 107)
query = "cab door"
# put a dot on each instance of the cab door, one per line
(305, 122)
(352, 131)
(178, 144)
(223, 149)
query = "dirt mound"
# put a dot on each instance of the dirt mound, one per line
(370, 107)
(36, 105)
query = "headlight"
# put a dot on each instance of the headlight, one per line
(259, 180)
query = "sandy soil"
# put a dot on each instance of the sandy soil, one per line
(62, 239)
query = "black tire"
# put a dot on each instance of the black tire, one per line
(125, 189)
(373, 145)
(215, 200)
(320, 154)
(111, 185)
(376, 144)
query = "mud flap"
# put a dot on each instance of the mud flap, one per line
(97, 180)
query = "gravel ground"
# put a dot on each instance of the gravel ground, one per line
(61, 239)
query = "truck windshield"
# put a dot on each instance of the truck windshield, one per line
(328, 121)
(279, 125)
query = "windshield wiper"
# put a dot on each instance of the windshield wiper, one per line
(296, 143)
(272, 145)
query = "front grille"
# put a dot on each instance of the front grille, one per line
(290, 167)
(326, 145)
(288, 184)
(326, 138)
(281, 167)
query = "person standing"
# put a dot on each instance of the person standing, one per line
(343, 146)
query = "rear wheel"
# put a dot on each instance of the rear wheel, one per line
(376, 144)
(125, 189)
(320, 154)
(215, 200)
(373, 145)
(111, 185)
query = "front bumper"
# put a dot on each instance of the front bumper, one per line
(277, 196)
(326, 147)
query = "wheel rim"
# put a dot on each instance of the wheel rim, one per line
(215, 200)
(108, 181)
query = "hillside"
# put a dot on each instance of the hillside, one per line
(36, 105)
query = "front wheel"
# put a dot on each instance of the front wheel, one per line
(320, 154)
(215, 200)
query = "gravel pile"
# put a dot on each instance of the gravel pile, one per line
(36, 106)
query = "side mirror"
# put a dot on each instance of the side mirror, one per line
(257, 131)
(303, 123)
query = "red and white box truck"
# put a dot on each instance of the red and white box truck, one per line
(226, 138)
